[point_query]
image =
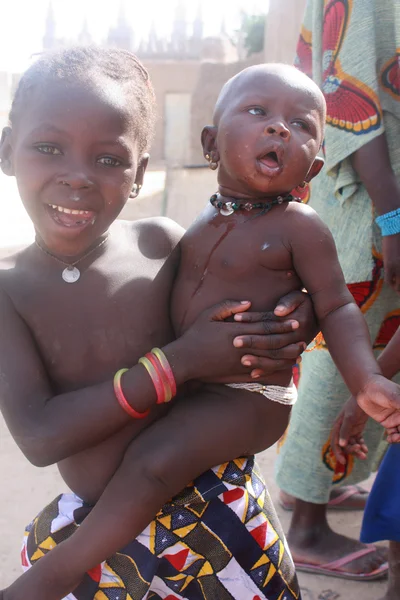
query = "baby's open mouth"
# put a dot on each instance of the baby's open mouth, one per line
(69, 217)
(271, 160)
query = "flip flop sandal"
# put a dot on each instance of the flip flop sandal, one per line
(332, 569)
(336, 503)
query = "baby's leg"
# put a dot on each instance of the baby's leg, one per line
(209, 428)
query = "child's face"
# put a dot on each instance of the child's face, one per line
(268, 135)
(74, 149)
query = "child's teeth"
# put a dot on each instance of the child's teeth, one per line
(69, 211)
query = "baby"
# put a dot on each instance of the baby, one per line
(253, 240)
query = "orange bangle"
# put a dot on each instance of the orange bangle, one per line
(166, 367)
(119, 394)
(165, 394)
(155, 378)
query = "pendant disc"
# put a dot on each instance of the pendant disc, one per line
(71, 274)
(227, 210)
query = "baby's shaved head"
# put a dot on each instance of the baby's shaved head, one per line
(290, 77)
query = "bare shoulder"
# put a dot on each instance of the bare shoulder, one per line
(11, 267)
(159, 233)
(303, 221)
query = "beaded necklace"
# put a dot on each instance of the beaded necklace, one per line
(227, 208)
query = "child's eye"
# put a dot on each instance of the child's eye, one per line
(48, 149)
(109, 161)
(301, 124)
(256, 110)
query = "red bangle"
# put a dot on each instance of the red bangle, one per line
(166, 368)
(166, 388)
(155, 378)
(119, 394)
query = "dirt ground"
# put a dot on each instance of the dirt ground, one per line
(24, 489)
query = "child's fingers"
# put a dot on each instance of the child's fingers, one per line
(269, 319)
(287, 353)
(262, 365)
(393, 436)
(339, 452)
(227, 309)
(290, 303)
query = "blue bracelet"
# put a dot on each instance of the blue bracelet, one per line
(389, 223)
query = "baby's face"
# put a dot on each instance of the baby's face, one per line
(269, 133)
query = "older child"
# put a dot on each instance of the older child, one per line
(91, 296)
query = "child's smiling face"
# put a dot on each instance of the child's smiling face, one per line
(74, 148)
(270, 123)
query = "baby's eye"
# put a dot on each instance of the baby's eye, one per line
(256, 110)
(301, 124)
(109, 161)
(48, 149)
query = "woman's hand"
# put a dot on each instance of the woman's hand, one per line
(347, 432)
(214, 349)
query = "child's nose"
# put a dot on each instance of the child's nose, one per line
(278, 129)
(76, 181)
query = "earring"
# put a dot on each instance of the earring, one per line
(134, 188)
(303, 185)
(211, 163)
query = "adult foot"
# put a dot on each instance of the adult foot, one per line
(348, 497)
(321, 550)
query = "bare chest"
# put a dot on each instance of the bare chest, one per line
(231, 248)
(87, 330)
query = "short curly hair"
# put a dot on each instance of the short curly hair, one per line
(85, 63)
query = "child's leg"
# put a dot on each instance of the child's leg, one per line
(393, 592)
(210, 428)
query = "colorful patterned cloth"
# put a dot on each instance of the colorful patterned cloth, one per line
(220, 539)
(351, 48)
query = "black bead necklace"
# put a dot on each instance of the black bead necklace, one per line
(227, 208)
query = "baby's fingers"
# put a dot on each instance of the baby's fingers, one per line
(393, 438)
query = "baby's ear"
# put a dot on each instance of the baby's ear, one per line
(6, 152)
(208, 141)
(315, 168)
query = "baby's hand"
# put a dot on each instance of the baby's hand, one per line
(347, 433)
(380, 399)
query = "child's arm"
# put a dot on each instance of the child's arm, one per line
(347, 432)
(209, 428)
(49, 427)
(344, 328)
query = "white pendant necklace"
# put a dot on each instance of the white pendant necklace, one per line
(71, 273)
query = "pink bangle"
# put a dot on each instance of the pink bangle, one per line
(166, 388)
(166, 368)
(155, 377)
(119, 394)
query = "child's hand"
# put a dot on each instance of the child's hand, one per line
(380, 399)
(347, 433)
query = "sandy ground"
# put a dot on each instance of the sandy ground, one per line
(24, 489)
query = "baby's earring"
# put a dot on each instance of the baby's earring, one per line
(211, 163)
